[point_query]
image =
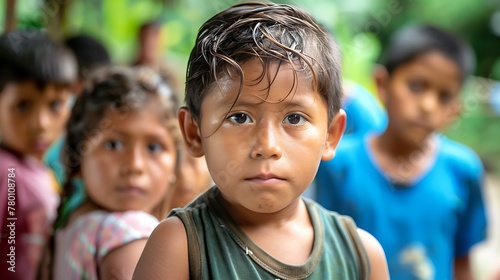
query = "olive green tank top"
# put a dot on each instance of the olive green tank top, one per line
(219, 249)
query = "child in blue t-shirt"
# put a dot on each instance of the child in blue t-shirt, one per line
(416, 191)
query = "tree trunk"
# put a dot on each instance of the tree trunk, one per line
(10, 15)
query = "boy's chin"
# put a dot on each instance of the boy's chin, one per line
(421, 139)
(37, 156)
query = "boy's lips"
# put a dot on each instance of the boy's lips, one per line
(131, 190)
(41, 145)
(266, 179)
(422, 124)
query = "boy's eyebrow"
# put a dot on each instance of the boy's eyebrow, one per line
(151, 134)
(243, 103)
(296, 101)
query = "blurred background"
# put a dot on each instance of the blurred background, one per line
(361, 27)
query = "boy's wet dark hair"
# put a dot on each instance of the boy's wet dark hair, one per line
(269, 33)
(414, 40)
(89, 52)
(32, 55)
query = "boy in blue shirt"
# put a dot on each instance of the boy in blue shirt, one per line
(416, 191)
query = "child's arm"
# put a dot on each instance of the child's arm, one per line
(463, 270)
(166, 253)
(120, 240)
(472, 220)
(376, 255)
(120, 262)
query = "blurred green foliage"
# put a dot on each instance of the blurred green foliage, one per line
(360, 26)
(479, 124)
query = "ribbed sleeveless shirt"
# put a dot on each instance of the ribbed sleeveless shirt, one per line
(219, 249)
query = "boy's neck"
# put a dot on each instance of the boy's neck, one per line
(291, 225)
(11, 151)
(401, 161)
(395, 146)
(20, 155)
(248, 219)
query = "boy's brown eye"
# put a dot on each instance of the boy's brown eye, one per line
(240, 118)
(113, 145)
(416, 86)
(446, 97)
(23, 105)
(55, 105)
(155, 147)
(294, 119)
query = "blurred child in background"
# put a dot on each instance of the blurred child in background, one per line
(193, 178)
(122, 141)
(36, 76)
(149, 44)
(149, 53)
(416, 191)
(90, 55)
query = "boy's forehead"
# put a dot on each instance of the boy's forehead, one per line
(28, 89)
(438, 63)
(272, 83)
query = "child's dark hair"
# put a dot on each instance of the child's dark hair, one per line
(270, 33)
(119, 90)
(89, 52)
(150, 25)
(414, 40)
(33, 55)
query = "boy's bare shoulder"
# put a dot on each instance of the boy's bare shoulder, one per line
(166, 253)
(170, 230)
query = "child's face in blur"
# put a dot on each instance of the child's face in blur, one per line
(267, 149)
(422, 96)
(31, 119)
(193, 179)
(128, 164)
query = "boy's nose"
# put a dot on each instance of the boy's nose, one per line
(134, 161)
(267, 144)
(40, 121)
(429, 102)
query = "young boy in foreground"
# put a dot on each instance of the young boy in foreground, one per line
(263, 96)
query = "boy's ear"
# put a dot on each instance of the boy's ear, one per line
(190, 132)
(334, 134)
(381, 77)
